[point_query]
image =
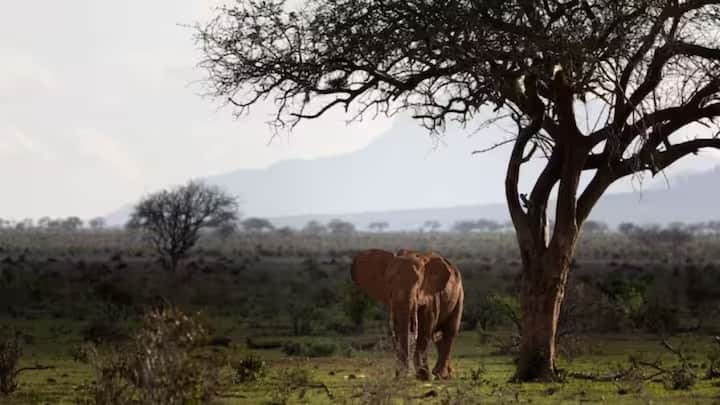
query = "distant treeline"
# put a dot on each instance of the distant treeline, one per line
(339, 226)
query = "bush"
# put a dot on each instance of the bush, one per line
(162, 364)
(478, 374)
(310, 349)
(322, 349)
(113, 293)
(302, 318)
(628, 292)
(340, 327)
(298, 379)
(249, 369)
(356, 306)
(660, 319)
(103, 330)
(471, 317)
(714, 360)
(10, 353)
(497, 309)
(631, 381)
(681, 378)
(294, 349)
(612, 319)
(384, 390)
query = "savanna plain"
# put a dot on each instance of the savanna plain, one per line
(91, 317)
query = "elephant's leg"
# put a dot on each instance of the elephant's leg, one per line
(449, 329)
(424, 337)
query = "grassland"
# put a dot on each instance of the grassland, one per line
(626, 296)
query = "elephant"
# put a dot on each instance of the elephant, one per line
(424, 296)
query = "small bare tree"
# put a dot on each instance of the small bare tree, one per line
(257, 225)
(314, 227)
(340, 227)
(172, 219)
(432, 225)
(71, 224)
(97, 223)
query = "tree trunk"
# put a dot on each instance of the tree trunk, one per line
(542, 292)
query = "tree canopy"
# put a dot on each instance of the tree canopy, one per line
(646, 67)
(172, 219)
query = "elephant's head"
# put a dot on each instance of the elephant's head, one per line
(402, 282)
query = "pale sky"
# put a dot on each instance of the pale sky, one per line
(99, 104)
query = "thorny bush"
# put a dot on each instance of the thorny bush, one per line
(163, 363)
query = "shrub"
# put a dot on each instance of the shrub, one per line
(458, 395)
(660, 319)
(612, 318)
(714, 360)
(302, 318)
(340, 327)
(631, 381)
(161, 364)
(82, 353)
(312, 349)
(681, 378)
(471, 317)
(628, 293)
(297, 379)
(294, 349)
(322, 349)
(103, 330)
(357, 305)
(249, 369)
(384, 390)
(10, 353)
(477, 375)
(11, 343)
(497, 309)
(113, 293)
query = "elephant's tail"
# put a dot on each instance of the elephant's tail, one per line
(414, 326)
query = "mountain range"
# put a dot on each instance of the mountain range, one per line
(406, 177)
(692, 198)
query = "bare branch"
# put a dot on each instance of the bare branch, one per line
(494, 146)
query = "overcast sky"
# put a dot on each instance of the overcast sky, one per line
(99, 103)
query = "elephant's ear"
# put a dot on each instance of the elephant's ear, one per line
(436, 275)
(368, 273)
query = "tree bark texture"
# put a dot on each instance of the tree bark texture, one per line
(542, 293)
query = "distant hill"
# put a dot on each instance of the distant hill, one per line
(689, 198)
(405, 219)
(406, 177)
(404, 168)
(692, 198)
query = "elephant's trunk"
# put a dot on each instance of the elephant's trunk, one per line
(405, 327)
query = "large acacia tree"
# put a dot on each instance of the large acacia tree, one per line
(647, 71)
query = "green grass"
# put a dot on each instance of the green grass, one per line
(350, 379)
(52, 286)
